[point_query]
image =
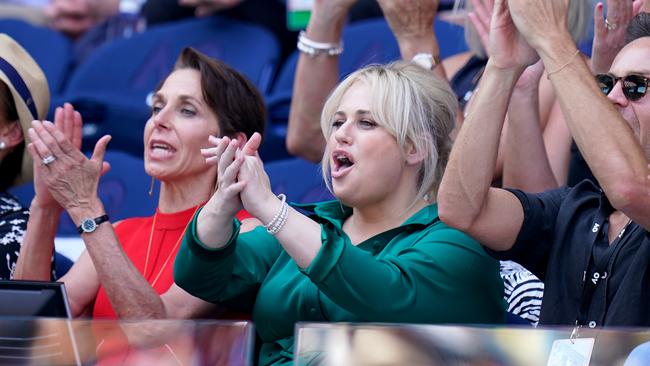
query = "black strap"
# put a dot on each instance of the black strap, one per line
(20, 86)
(98, 220)
(596, 272)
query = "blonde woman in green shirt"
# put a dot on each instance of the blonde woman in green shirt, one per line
(377, 254)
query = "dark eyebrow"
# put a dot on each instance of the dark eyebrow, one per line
(632, 72)
(190, 98)
(184, 98)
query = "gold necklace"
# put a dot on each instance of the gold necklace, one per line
(178, 242)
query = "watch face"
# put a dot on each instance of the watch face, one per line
(88, 225)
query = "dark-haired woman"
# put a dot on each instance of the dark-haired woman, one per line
(126, 270)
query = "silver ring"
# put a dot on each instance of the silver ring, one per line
(610, 26)
(48, 160)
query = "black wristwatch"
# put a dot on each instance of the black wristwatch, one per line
(88, 225)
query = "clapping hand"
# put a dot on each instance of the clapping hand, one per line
(481, 16)
(610, 32)
(507, 47)
(257, 190)
(229, 157)
(62, 174)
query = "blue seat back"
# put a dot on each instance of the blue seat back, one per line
(299, 180)
(51, 50)
(111, 87)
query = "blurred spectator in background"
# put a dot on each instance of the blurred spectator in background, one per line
(24, 96)
(75, 17)
(32, 11)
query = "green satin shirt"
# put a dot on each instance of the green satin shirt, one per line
(420, 272)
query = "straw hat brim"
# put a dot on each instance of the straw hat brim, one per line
(34, 78)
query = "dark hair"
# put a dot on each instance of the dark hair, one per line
(235, 101)
(11, 165)
(639, 27)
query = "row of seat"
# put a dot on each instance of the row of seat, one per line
(110, 88)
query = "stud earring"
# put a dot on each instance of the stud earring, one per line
(3, 145)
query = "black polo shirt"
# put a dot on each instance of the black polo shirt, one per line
(555, 243)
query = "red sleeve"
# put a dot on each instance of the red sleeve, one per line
(242, 215)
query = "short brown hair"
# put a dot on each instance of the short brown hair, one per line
(235, 101)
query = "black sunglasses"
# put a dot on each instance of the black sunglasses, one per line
(634, 86)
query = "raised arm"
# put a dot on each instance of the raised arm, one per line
(315, 78)
(610, 34)
(606, 140)
(35, 259)
(412, 25)
(72, 180)
(491, 216)
(526, 165)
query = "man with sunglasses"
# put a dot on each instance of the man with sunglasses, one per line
(589, 245)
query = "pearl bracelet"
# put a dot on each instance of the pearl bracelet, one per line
(280, 218)
(313, 48)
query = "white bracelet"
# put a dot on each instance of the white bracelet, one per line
(280, 218)
(313, 48)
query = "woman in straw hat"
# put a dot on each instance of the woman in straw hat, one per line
(24, 96)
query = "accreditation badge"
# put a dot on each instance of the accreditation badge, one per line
(571, 352)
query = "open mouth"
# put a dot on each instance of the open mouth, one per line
(342, 164)
(161, 149)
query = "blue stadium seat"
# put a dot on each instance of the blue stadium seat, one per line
(62, 265)
(123, 191)
(299, 180)
(51, 50)
(366, 42)
(111, 87)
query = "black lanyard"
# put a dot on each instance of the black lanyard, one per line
(596, 271)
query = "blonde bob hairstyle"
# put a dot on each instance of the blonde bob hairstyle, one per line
(411, 104)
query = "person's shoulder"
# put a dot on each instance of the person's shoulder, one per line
(439, 233)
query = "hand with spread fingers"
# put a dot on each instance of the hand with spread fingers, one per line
(69, 122)
(507, 47)
(610, 32)
(70, 177)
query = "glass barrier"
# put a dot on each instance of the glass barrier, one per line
(49, 341)
(393, 344)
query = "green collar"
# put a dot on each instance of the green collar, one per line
(336, 212)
